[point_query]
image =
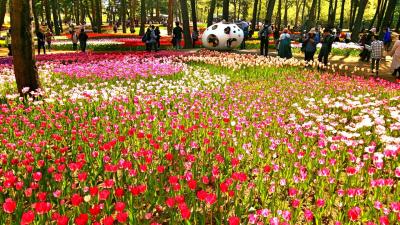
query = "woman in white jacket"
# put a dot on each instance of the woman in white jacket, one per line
(395, 53)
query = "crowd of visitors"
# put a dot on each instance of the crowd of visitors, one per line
(373, 48)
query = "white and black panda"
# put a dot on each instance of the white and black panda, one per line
(222, 36)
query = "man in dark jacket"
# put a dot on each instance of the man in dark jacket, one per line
(326, 41)
(177, 35)
(41, 41)
(83, 37)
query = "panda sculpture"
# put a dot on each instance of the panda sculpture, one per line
(222, 36)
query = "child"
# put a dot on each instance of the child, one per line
(376, 54)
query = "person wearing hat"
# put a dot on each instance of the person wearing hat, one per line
(326, 41)
(285, 49)
(309, 46)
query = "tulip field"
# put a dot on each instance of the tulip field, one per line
(197, 138)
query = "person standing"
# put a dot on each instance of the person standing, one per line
(276, 37)
(83, 37)
(41, 41)
(327, 41)
(264, 38)
(376, 54)
(285, 49)
(177, 35)
(49, 38)
(387, 39)
(150, 39)
(395, 53)
(158, 37)
(309, 46)
(8, 42)
(75, 39)
(245, 28)
(195, 37)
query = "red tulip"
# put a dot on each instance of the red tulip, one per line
(9, 206)
(354, 213)
(82, 219)
(27, 217)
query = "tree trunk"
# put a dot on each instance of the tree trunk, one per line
(332, 13)
(310, 22)
(303, 11)
(319, 11)
(296, 19)
(133, 10)
(158, 9)
(270, 10)
(259, 10)
(186, 26)
(82, 11)
(123, 15)
(225, 10)
(60, 20)
(279, 14)
(388, 17)
(210, 17)
(142, 16)
(87, 8)
(55, 16)
(99, 15)
(353, 11)
(285, 15)
(358, 21)
(342, 14)
(35, 15)
(376, 14)
(3, 4)
(170, 16)
(194, 15)
(48, 12)
(25, 70)
(381, 13)
(254, 20)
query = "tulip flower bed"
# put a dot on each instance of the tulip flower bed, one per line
(114, 44)
(210, 138)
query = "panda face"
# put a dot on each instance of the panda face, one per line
(222, 36)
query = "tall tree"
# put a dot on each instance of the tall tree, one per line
(332, 13)
(170, 16)
(142, 16)
(3, 4)
(270, 10)
(358, 20)
(47, 10)
(278, 19)
(382, 13)
(133, 10)
(298, 4)
(310, 22)
(35, 15)
(353, 11)
(55, 17)
(388, 17)
(376, 14)
(186, 26)
(99, 15)
(319, 11)
(254, 20)
(210, 17)
(225, 10)
(285, 15)
(342, 14)
(25, 70)
(194, 14)
(123, 15)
